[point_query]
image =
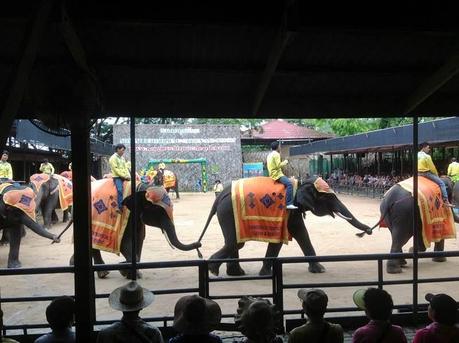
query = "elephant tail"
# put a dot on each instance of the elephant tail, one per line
(211, 214)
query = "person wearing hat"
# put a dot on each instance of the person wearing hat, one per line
(130, 299)
(378, 306)
(316, 329)
(194, 318)
(443, 312)
(46, 167)
(6, 172)
(60, 315)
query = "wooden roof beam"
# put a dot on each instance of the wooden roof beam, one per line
(432, 84)
(20, 76)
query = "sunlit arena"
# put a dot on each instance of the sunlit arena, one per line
(183, 195)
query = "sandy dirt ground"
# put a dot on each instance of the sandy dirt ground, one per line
(329, 236)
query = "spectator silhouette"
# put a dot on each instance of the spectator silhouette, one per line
(258, 320)
(443, 312)
(316, 328)
(4, 339)
(194, 318)
(378, 305)
(130, 299)
(60, 315)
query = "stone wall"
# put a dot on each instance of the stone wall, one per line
(220, 145)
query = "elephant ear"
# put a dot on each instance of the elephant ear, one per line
(129, 201)
(306, 196)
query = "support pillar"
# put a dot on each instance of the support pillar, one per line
(84, 275)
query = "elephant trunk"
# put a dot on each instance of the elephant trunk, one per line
(172, 237)
(455, 216)
(344, 213)
(37, 228)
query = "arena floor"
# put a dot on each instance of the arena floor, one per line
(329, 236)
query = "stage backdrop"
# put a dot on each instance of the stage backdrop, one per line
(220, 145)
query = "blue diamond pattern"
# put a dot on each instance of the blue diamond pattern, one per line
(25, 200)
(100, 206)
(267, 201)
(165, 199)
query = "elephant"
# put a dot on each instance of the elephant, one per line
(307, 198)
(147, 214)
(168, 179)
(13, 221)
(397, 212)
(47, 201)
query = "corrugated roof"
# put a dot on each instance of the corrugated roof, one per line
(281, 129)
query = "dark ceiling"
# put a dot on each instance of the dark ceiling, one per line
(231, 59)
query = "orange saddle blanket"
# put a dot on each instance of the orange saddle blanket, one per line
(38, 179)
(259, 210)
(437, 220)
(65, 191)
(22, 198)
(169, 179)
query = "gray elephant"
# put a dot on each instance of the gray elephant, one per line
(13, 220)
(149, 214)
(307, 198)
(47, 198)
(397, 211)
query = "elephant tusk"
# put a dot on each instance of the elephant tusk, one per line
(342, 216)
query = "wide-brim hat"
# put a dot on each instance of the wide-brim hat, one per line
(130, 297)
(358, 298)
(195, 315)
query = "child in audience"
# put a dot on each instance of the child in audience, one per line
(316, 328)
(378, 305)
(60, 315)
(194, 318)
(443, 312)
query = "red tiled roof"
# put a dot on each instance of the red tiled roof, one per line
(280, 129)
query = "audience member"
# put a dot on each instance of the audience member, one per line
(443, 312)
(4, 339)
(316, 328)
(194, 318)
(130, 299)
(258, 320)
(378, 305)
(60, 315)
(218, 187)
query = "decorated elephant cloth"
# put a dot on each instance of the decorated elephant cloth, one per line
(22, 198)
(169, 179)
(107, 225)
(65, 191)
(259, 210)
(437, 220)
(322, 186)
(38, 179)
(158, 196)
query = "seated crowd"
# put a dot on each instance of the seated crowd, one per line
(366, 180)
(257, 319)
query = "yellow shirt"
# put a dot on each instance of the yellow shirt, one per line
(5, 170)
(453, 171)
(118, 166)
(275, 165)
(47, 168)
(425, 163)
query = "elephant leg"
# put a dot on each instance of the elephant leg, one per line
(97, 257)
(15, 244)
(272, 251)
(177, 195)
(4, 240)
(439, 246)
(66, 215)
(126, 251)
(394, 266)
(234, 268)
(54, 217)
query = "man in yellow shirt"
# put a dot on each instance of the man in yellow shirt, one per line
(453, 170)
(427, 169)
(6, 172)
(120, 172)
(275, 165)
(47, 167)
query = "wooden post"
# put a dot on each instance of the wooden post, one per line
(84, 275)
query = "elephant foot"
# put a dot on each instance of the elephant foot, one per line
(393, 268)
(403, 262)
(72, 261)
(128, 274)
(139, 274)
(439, 259)
(214, 268)
(14, 264)
(316, 268)
(265, 271)
(235, 271)
(102, 274)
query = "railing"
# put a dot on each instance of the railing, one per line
(278, 284)
(363, 190)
